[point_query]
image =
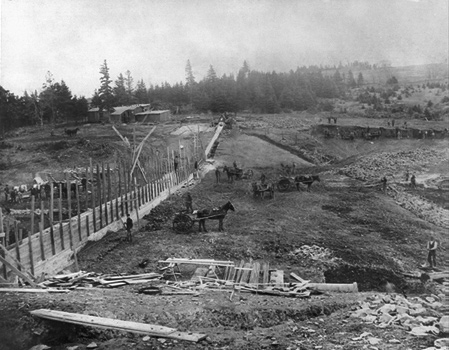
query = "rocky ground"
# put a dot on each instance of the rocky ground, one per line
(360, 234)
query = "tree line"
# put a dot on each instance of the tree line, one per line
(249, 90)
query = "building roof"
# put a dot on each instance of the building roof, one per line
(120, 110)
(96, 109)
(153, 112)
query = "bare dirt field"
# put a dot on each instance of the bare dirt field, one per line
(373, 238)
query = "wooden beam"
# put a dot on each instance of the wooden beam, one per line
(136, 158)
(9, 255)
(18, 273)
(119, 325)
(32, 290)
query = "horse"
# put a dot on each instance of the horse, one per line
(71, 132)
(214, 214)
(231, 172)
(307, 180)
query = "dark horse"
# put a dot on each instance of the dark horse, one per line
(232, 172)
(214, 214)
(306, 180)
(71, 132)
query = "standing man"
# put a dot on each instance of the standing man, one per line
(175, 163)
(384, 184)
(129, 225)
(188, 203)
(413, 181)
(6, 192)
(432, 246)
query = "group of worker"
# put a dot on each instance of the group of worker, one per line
(412, 179)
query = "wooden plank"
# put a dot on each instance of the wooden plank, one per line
(119, 325)
(296, 277)
(32, 290)
(86, 192)
(246, 272)
(50, 216)
(119, 171)
(87, 226)
(78, 211)
(277, 278)
(265, 273)
(61, 228)
(17, 272)
(136, 191)
(19, 264)
(238, 272)
(92, 190)
(41, 232)
(100, 197)
(16, 237)
(3, 241)
(125, 183)
(30, 234)
(255, 273)
(69, 208)
(105, 194)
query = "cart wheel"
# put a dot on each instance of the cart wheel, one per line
(283, 185)
(182, 223)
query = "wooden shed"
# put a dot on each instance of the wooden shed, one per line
(153, 116)
(93, 115)
(122, 114)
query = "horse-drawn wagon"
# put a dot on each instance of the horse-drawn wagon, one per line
(184, 222)
(237, 173)
(286, 182)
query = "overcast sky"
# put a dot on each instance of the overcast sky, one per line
(155, 38)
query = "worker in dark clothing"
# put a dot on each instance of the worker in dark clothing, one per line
(384, 184)
(188, 203)
(6, 192)
(129, 225)
(413, 181)
(432, 246)
(407, 175)
(235, 164)
(176, 163)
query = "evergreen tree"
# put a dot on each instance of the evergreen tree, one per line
(105, 91)
(141, 94)
(190, 82)
(351, 81)
(360, 80)
(129, 88)
(119, 90)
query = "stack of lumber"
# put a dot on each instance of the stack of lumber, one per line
(92, 279)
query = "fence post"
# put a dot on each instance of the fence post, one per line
(16, 236)
(61, 228)
(69, 205)
(50, 215)
(41, 232)
(92, 187)
(105, 195)
(99, 195)
(30, 234)
(3, 241)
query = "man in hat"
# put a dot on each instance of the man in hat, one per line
(129, 225)
(432, 246)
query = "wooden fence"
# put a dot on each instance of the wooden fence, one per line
(62, 221)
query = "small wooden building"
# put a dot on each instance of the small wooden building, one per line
(153, 116)
(93, 115)
(121, 115)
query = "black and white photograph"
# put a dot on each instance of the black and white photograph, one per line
(224, 174)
